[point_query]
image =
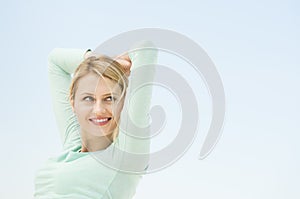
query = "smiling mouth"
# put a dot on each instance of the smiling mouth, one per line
(100, 122)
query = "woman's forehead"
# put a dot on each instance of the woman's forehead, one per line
(92, 83)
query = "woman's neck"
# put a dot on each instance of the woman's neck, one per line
(92, 143)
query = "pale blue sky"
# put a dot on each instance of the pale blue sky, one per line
(255, 46)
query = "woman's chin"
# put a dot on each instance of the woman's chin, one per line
(99, 133)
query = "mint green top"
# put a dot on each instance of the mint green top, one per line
(76, 175)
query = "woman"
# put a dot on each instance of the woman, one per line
(89, 122)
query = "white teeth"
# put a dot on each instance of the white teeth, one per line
(101, 120)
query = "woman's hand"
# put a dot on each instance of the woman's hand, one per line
(125, 62)
(122, 59)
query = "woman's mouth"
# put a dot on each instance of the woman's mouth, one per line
(100, 121)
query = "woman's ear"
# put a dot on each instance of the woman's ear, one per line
(72, 105)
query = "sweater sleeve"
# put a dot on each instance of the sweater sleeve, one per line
(134, 133)
(61, 64)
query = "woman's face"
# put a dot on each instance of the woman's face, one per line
(97, 105)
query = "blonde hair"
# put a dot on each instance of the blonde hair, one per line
(103, 66)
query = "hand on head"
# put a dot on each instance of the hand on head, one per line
(125, 62)
(122, 59)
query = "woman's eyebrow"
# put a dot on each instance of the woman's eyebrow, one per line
(92, 94)
(114, 94)
(106, 94)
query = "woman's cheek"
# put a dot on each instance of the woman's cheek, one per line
(83, 107)
(117, 109)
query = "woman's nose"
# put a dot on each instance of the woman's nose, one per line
(99, 108)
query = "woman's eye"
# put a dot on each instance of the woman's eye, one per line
(88, 99)
(110, 98)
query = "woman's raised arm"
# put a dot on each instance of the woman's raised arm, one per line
(135, 119)
(61, 64)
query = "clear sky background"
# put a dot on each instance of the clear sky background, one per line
(255, 46)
